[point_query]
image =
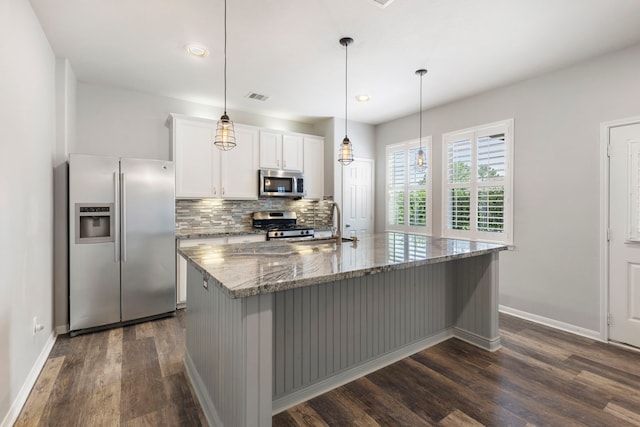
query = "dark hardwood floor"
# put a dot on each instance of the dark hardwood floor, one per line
(134, 376)
(128, 376)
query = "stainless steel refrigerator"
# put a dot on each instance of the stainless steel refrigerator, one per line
(121, 240)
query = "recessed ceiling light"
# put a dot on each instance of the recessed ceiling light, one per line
(363, 98)
(197, 50)
(382, 3)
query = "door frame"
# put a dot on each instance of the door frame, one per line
(605, 201)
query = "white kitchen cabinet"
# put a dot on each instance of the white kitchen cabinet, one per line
(270, 149)
(181, 263)
(203, 171)
(292, 152)
(239, 167)
(313, 167)
(195, 157)
(283, 151)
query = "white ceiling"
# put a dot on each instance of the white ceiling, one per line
(289, 50)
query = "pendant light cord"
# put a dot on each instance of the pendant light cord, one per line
(225, 57)
(421, 75)
(346, 65)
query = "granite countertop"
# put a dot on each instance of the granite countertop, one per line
(204, 233)
(248, 269)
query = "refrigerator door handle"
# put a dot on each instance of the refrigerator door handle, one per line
(115, 215)
(123, 218)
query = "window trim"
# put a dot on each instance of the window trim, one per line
(427, 229)
(505, 237)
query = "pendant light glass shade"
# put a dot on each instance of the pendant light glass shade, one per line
(225, 138)
(420, 161)
(225, 134)
(345, 153)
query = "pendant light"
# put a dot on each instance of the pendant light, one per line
(345, 154)
(421, 72)
(225, 133)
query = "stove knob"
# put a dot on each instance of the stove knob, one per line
(302, 232)
(282, 233)
(306, 232)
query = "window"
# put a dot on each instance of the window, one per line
(477, 179)
(409, 187)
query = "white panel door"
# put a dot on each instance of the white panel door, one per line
(624, 244)
(358, 197)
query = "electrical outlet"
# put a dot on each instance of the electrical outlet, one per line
(36, 326)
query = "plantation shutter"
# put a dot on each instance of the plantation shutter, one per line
(478, 183)
(408, 187)
(459, 182)
(490, 186)
(396, 186)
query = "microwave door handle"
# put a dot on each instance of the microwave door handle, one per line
(115, 231)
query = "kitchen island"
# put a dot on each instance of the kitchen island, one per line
(272, 324)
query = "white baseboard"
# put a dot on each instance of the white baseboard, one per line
(29, 382)
(567, 327)
(321, 387)
(477, 340)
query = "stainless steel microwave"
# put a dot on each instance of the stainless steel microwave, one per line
(276, 183)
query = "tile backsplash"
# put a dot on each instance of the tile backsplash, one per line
(235, 215)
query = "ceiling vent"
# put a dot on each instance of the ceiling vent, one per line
(382, 3)
(257, 96)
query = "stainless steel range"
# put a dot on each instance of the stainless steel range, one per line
(281, 225)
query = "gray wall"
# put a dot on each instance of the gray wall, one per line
(363, 139)
(65, 136)
(554, 270)
(120, 122)
(27, 120)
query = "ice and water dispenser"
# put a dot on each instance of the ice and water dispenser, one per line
(94, 222)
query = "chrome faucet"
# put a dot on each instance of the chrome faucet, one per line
(338, 234)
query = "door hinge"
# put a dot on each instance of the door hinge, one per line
(609, 319)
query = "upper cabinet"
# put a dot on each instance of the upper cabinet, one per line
(314, 167)
(292, 152)
(195, 157)
(203, 171)
(281, 151)
(239, 167)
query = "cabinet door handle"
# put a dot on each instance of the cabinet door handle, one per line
(223, 191)
(278, 163)
(214, 191)
(284, 163)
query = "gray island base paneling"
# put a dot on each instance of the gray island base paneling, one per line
(339, 312)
